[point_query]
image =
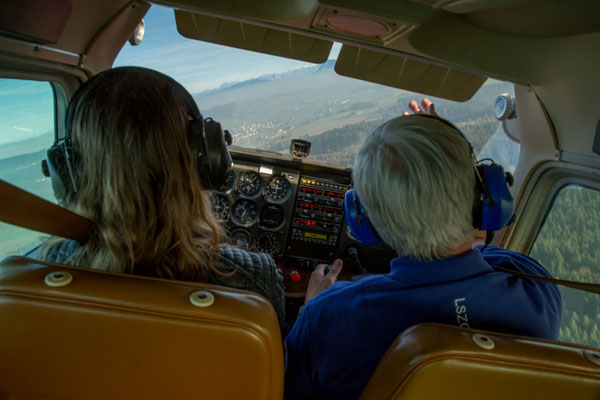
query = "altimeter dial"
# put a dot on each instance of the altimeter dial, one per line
(249, 183)
(245, 212)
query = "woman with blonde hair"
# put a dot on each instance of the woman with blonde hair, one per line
(136, 159)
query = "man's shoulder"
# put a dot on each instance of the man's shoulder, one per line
(497, 256)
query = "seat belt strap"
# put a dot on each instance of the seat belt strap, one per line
(21, 208)
(586, 287)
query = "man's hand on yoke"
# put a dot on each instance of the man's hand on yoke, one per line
(320, 279)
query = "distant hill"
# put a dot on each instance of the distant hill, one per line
(33, 144)
(328, 65)
(317, 77)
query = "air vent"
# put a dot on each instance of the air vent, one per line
(358, 25)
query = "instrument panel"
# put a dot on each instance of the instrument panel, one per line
(294, 211)
(255, 205)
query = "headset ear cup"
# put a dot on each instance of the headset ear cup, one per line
(216, 162)
(494, 201)
(60, 171)
(357, 221)
(477, 201)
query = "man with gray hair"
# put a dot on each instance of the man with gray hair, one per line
(415, 178)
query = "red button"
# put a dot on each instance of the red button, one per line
(295, 276)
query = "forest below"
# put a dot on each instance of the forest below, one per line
(568, 245)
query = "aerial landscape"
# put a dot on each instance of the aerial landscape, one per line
(332, 112)
(335, 114)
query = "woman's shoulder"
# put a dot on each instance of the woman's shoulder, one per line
(245, 269)
(246, 259)
(59, 251)
(256, 272)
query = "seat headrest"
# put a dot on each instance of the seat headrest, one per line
(71, 332)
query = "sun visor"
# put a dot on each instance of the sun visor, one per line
(408, 74)
(260, 10)
(40, 22)
(252, 37)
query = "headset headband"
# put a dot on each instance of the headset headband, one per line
(206, 139)
(492, 209)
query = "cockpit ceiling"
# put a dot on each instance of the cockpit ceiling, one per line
(515, 35)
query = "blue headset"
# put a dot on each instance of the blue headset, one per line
(492, 209)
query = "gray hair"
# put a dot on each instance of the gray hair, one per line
(415, 178)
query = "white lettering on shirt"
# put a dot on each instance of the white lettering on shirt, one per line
(461, 313)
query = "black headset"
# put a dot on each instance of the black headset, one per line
(206, 140)
(492, 208)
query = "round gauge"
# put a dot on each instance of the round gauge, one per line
(504, 107)
(250, 183)
(277, 188)
(245, 212)
(220, 206)
(271, 216)
(240, 238)
(229, 181)
(266, 242)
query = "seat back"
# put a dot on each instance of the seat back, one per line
(432, 361)
(77, 333)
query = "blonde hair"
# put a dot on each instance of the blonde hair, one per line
(138, 180)
(415, 178)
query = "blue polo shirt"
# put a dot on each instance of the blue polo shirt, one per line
(341, 334)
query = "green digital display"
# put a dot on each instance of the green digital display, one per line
(315, 235)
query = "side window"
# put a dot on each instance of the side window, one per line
(568, 245)
(26, 132)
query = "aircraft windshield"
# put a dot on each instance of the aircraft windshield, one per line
(266, 101)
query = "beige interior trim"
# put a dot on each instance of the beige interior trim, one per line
(16, 46)
(538, 146)
(106, 44)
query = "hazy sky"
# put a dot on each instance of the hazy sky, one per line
(26, 109)
(195, 64)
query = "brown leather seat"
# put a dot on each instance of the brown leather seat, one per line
(432, 361)
(111, 336)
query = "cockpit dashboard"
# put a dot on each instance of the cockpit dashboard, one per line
(292, 209)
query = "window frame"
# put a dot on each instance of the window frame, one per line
(538, 195)
(559, 179)
(64, 81)
(59, 87)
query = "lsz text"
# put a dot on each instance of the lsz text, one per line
(461, 313)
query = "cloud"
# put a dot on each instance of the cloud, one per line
(22, 129)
